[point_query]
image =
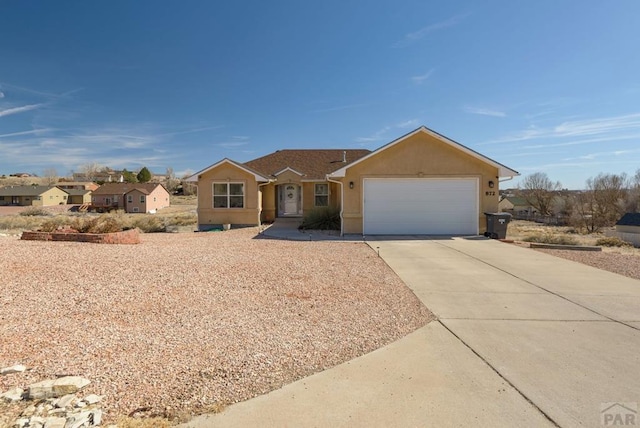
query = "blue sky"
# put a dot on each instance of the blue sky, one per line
(545, 85)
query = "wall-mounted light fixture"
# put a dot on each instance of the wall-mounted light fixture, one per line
(491, 184)
(351, 185)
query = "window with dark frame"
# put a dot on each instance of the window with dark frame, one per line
(228, 195)
(321, 195)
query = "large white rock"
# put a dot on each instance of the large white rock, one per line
(18, 368)
(54, 388)
(14, 394)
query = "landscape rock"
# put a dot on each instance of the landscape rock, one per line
(20, 423)
(18, 368)
(53, 388)
(92, 399)
(55, 422)
(79, 419)
(14, 394)
(65, 401)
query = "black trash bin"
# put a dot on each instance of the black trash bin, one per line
(497, 225)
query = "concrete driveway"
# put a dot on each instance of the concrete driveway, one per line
(523, 339)
(565, 336)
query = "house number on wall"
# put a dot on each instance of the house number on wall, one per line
(490, 193)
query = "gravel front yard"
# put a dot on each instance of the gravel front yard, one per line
(622, 262)
(183, 323)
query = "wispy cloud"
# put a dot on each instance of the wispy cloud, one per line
(231, 144)
(191, 131)
(484, 111)
(39, 131)
(414, 36)
(21, 109)
(612, 153)
(421, 78)
(336, 108)
(376, 136)
(1, 94)
(601, 129)
(411, 123)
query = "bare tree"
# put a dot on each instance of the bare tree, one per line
(540, 192)
(50, 176)
(90, 170)
(602, 203)
(633, 197)
(171, 182)
(188, 187)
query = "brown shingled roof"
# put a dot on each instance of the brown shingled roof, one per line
(314, 164)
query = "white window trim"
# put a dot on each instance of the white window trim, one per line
(316, 194)
(228, 195)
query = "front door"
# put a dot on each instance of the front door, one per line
(290, 194)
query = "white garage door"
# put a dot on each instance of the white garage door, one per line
(421, 206)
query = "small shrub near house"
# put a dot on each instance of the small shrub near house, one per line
(35, 211)
(613, 241)
(149, 224)
(321, 219)
(550, 238)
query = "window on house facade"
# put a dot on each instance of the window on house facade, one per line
(228, 195)
(141, 199)
(130, 199)
(321, 195)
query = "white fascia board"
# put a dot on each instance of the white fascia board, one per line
(257, 176)
(288, 169)
(503, 171)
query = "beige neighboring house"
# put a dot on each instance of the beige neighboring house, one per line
(131, 197)
(627, 229)
(516, 205)
(37, 196)
(421, 183)
(78, 196)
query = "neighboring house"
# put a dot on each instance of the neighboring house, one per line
(38, 196)
(80, 185)
(21, 175)
(132, 197)
(628, 229)
(78, 196)
(516, 205)
(420, 183)
(629, 223)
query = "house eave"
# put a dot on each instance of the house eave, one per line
(259, 177)
(503, 171)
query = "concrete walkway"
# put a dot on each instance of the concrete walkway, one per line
(523, 339)
(287, 228)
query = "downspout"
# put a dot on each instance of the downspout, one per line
(261, 202)
(341, 203)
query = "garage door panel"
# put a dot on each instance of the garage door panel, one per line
(421, 206)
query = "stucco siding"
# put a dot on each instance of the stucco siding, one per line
(227, 173)
(419, 156)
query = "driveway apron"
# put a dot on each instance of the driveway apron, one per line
(563, 335)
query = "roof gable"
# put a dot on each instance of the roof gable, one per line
(503, 171)
(258, 176)
(311, 164)
(629, 219)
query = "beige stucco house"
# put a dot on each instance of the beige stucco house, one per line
(37, 196)
(420, 183)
